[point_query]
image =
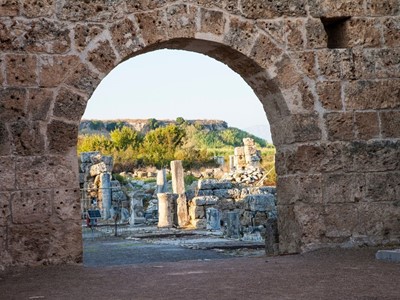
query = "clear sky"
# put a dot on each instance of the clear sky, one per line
(167, 84)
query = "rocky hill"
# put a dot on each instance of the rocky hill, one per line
(145, 125)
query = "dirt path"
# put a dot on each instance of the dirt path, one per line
(325, 274)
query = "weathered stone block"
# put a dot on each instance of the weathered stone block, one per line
(5, 209)
(366, 125)
(265, 52)
(199, 223)
(241, 35)
(228, 5)
(382, 8)
(182, 211)
(85, 33)
(254, 9)
(330, 94)
(275, 29)
(212, 21)
(27, 138)
(196, 212)
(9, 8)
(38, 8)
(166, 209)
(390, 124)
(54, 69)
(213, 219)
(316, 36)
(125, 38)
(391, 32)
(154, 24)
(361, 95)
(43, 172)
(86, 156)
(21, 70)
(82, 78)
(96, 10)
(69, 105)
(233, 225)
(340, 126)
(213, 184)
(177, 172)
(34, 206)
(181, 20)
(335, 64)
(99, 168)
(5, 141)
(383, 187)
(332, 8)
(39, 101)
(7, 173)
(304, 188)
(103, 57)
(204, 200)
(343, 188)
(68, 131)
(294, 34)
(12, 104)
(260, 202)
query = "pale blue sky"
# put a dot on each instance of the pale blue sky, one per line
(167, 84)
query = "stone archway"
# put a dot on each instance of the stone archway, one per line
(326, 73)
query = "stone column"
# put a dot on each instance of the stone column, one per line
(105, 194)
(166, 209)
(213, 219)
(161, 181)
(178, 187)
(231, 163)
(233, 225)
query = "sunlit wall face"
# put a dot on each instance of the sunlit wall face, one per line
(167, 84)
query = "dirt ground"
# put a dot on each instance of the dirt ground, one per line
(323, 274)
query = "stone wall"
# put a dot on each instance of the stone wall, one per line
(326, 72)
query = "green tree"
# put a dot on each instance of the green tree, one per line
(95, 142)
(125, 137)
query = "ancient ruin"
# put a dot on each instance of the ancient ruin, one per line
(326, 73)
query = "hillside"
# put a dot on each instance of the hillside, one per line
(204, 133)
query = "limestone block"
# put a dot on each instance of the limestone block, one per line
(213, 217)
(182, 211)
(340, 126)
(266, 58)
(67, 204)
(31, 206)
(5, 209)
(105, 195)
(304, 188)
(96, 158)
(340, 221)
(50, 66)
(166, 209)
(226, 204)
(9, 8)
(204, 193)
(27, 138)
(21, 70)
(145, 5)
(391, 32)
(213, 184)
(294, 32)
(366, 125)
(246, 218)
(69, 105)
(261, 219)
(332, 8)
(97, 169)
(382, 8)
(330, 96)
(86, 156)
(38, 103)
(118, 195)
(204, 200)
(233, 225)
(222, 194)
(390, 124)
(82, 78)
(178, 183)
(47, 36)
(154, 22)
(343, 188)
(103, 57)
(361, 95)
(260, 202)
(199, 223)
(241, 35)
(382, 187)
(375, 156)
(68, 131)
(84, 34)
(255, 9)
(181, 20)
(212, 21)
(161, 181)
(196, 212)
(316, 36)
(97, 10)
(229, 5)
(125, 37)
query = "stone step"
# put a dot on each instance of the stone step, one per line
(388, 255)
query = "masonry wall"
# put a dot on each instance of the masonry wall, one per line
(326, 72)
